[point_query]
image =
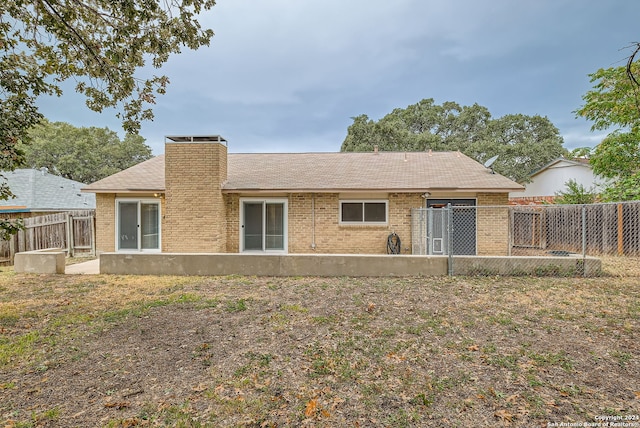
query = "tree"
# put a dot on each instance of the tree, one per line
(101, 44)
(581, 153)
(523, 143)
(614, 103)
(576, 194)
(83, 154)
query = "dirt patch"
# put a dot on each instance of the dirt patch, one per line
(244, 351)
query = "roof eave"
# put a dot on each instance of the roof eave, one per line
(372, 190)
(85, 190)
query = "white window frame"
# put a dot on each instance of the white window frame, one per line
(285, 224)
(139, 201)
(363, 222)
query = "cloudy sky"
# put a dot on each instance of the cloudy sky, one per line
(288, 75)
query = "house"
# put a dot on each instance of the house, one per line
(38, 192)
(552, 178)
(197, 198)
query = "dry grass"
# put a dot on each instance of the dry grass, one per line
(124, 351)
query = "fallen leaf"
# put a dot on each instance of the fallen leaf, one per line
(473, 348)
(312, 408)
(637, 394)
(117, 405)
(199, 388)
(131, 422)
(504, 415)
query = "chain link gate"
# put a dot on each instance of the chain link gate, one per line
(528, 234)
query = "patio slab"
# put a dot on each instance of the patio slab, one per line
(92, 267)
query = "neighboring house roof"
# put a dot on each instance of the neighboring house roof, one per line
(562, 163)
(39, 191)
(552, 178)
(328, 172)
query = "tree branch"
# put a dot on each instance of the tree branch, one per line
(632, 78)
(630, 61)
(104, 67)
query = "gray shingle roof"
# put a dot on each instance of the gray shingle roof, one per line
(40, 191)
(327, 172)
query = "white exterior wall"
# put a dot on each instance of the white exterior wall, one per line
(553, 179)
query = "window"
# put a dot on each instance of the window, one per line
(363, 212)
(263, 225)
(138, 225)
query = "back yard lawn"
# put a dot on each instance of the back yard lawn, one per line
(118, 351)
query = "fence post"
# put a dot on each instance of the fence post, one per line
(92, 220)
(620, 230)
(13, 242)
(72, 240)
(584, 240)
(450, 238)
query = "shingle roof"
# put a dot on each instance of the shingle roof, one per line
(147, 176)
(326, 172)
(40, 191)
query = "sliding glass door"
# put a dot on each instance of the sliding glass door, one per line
(138, 225)
(263, 225)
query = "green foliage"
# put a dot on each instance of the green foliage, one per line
(576, 194)
(102, 45)
(618, 155)
(99, 43)
(623, 189)
(83, 154)
(523, 143)
(615, 103)
(580, 153)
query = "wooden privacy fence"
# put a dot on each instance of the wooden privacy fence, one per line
(611, 228)
(72, 231)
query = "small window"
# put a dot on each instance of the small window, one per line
(372, 212)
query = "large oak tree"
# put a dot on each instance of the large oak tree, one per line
(522, 143)
(82, 154)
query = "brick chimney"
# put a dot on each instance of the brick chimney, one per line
(195, 218)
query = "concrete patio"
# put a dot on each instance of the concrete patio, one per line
(91, 267)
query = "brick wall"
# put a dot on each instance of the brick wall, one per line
(232, 213)
(195, 211)
(492, 228)
(105, 222)
(330, 236)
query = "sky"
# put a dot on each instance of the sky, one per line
(288, 75)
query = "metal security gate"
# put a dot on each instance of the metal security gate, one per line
(431, 231)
